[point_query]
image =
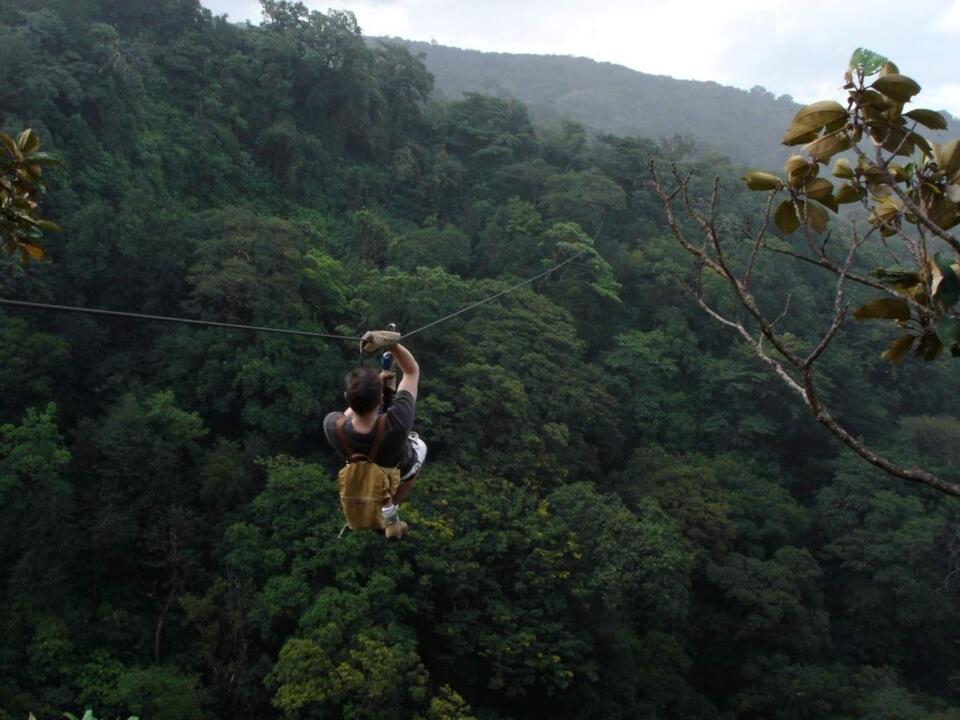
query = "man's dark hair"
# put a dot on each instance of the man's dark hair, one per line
(364, 391)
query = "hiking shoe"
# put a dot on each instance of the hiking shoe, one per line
(395, 530)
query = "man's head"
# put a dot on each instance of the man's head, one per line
(364, 391)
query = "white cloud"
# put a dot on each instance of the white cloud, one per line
(237, 10)
(796, 48)
(949, 21)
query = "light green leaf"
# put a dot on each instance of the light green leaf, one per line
(757, 180)
(48, 226)
(868, 60)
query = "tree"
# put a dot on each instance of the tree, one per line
(21, 184)
(913, 206)
(31, 362)
(36, 540)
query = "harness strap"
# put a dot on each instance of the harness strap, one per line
(381, 430)
(342, 438)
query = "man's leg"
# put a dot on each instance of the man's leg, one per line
(410, 477)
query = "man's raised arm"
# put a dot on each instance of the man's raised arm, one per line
(411, 371)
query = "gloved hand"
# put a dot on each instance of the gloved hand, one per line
(376, 339)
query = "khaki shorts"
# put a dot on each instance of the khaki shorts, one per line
(420, 449)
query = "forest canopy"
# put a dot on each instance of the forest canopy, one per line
(622, 516)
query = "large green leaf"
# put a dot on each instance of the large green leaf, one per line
(928, 118)
(870, 61)
(818, 188)
(786, 217)
(847, 193)
(947, 156)
(28, 141)
(826, 147)
(49, 226)
(11, 145)
(757, 180)
(811, 118)
(796, 163)
(897, 87)
(817, 217)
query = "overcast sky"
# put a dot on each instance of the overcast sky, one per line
(799, 47)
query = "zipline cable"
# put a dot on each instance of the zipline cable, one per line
(494, 297)
(280, 331)
(162, 318)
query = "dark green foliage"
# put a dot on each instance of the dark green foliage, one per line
(621, 515)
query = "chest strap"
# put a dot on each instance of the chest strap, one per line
(380, 429)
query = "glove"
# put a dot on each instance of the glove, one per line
(376, 339)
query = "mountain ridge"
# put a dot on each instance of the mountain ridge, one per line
(744, 125)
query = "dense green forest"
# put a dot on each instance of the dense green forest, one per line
(623, 515)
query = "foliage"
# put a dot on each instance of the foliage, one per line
(916, 202)
(88, 715)
(613, 99)
(21, 183)
(620, 516)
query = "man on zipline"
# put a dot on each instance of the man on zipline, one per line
(381, 432)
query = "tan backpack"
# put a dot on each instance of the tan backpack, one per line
(364, 485)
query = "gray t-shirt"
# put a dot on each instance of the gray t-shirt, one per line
(395, 450)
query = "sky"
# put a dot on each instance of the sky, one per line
(799, 48)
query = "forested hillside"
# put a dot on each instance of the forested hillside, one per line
(622, 514)
(608, 98)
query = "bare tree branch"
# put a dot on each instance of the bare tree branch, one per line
(758, 240)
(828, 265)
(712, 255)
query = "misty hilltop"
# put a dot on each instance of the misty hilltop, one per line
(745, 126)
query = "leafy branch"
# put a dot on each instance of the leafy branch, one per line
(21, 185)
(912, 204)
(796, 370)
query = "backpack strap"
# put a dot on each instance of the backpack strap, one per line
(342, 438)
(381, 430)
